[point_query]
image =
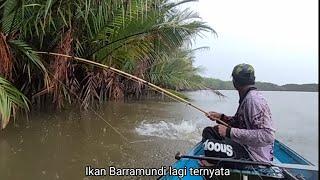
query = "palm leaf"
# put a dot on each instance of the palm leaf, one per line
(23, 48)
(10, 99)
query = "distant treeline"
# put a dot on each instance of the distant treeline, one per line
(264, 86)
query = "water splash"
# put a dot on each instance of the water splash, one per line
(184, 130)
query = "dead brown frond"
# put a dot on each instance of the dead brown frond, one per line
(118, 89)
(61, 66)
(89, 90)
(140, 71)
(6, 59)
(114, 86)
(103, 78)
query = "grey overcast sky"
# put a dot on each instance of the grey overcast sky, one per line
(278, 37)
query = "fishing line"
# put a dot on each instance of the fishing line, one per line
(100, 117)
(97, 114)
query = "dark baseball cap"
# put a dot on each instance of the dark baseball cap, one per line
(243, 74)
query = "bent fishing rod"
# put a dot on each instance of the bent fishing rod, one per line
(130, 76)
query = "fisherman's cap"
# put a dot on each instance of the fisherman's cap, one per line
(242, 70)
(243, 73)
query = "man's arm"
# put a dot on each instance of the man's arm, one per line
(230, 120)
(254, 137)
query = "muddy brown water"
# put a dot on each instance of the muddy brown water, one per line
(58, 145)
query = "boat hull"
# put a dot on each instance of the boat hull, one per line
(282, 153)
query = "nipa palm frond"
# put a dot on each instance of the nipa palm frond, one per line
(26, 50)
(10, 99)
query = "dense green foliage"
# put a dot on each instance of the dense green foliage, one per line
(147, 38)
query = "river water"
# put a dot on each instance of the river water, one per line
(58, 145)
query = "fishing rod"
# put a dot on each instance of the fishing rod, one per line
(130, 76)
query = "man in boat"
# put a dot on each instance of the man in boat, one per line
(251, 133)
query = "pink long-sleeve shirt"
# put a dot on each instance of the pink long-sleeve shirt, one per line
(252, 126)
